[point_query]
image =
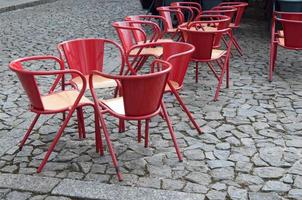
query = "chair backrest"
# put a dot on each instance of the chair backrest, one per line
(289, 15)
(202, 40)
(292, 33)
(190, 4)
(29, 83)
(86, 54)
(161, 22)
(189, 11)
(167, 12)
(229, 11)
(131, 32)
(177, 53)
(218, 21)
(142, 94)
(241, 6)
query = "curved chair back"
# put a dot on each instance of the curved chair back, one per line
(202, 40)
(241, 6)
(189, 4)
(29, 84)
(86, 54)
(189, 12)
(292, 33)
(167, 12)
(161, 22)
(215, 21)
(177, 53)
(229, 11)
(142, 94)
(131, 32)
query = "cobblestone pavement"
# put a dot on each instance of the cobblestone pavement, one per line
(251, 148)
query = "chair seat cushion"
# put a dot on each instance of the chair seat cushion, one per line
(98, 82)
(62, 100)
(174, 84)
(116, 105)
(157, 51)
(217, 53)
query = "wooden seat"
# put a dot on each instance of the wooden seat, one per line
(116, 105)
(217, 53)
(98, 82)
(174, 84)
(157, 51)
(62, 100)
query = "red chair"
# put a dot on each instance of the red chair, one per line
(229, 11)
(87, 55)
(241, 6)
(288, 37)
(213, 23)
(159, 20)
(53, 102)
(141, 100)
(205, 51)
(170, 13)
(179, 55)
(130, 33)
(194, 6)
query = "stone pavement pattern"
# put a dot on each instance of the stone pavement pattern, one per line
(252, 144)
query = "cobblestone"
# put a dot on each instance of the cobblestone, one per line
(251, 146)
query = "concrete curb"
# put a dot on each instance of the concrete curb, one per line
(24, 4)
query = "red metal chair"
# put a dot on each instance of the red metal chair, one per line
(205, 51)
(179, 55)
(159, 20)
(172, 15)
(53, 102)
(194, 6)
(86, 55)
(213, 23)
(241, 6)
(288, 37)
(141, 100)
(229, 11)
(130, 33)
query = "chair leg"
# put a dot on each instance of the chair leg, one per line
(29, 131)
(147, 133)
(227, 73)
(234, 41)
(79, 123)
(55, 141)
(121, 126)
(220, 80)
(139, 131)
(273, 56)
(82, 122)
(184, 107)
(171, 131)
(98, 136)
(196, 72)
(111, 151)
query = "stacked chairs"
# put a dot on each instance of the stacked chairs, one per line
(241, 7)
(192, 5)
(289, 36)
(55, 101)
(229, 11)
(205, 50)
(141, 100)
(179, 55)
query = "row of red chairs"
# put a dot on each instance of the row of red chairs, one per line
(136, 96)
(286, 33)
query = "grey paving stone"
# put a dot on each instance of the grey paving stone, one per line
(216, 195)
(264, 196)
(81, 189)
(269, 172)
(237, 193)
(18, 195)
(295, 194)
(28, 183)
(276, 186)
